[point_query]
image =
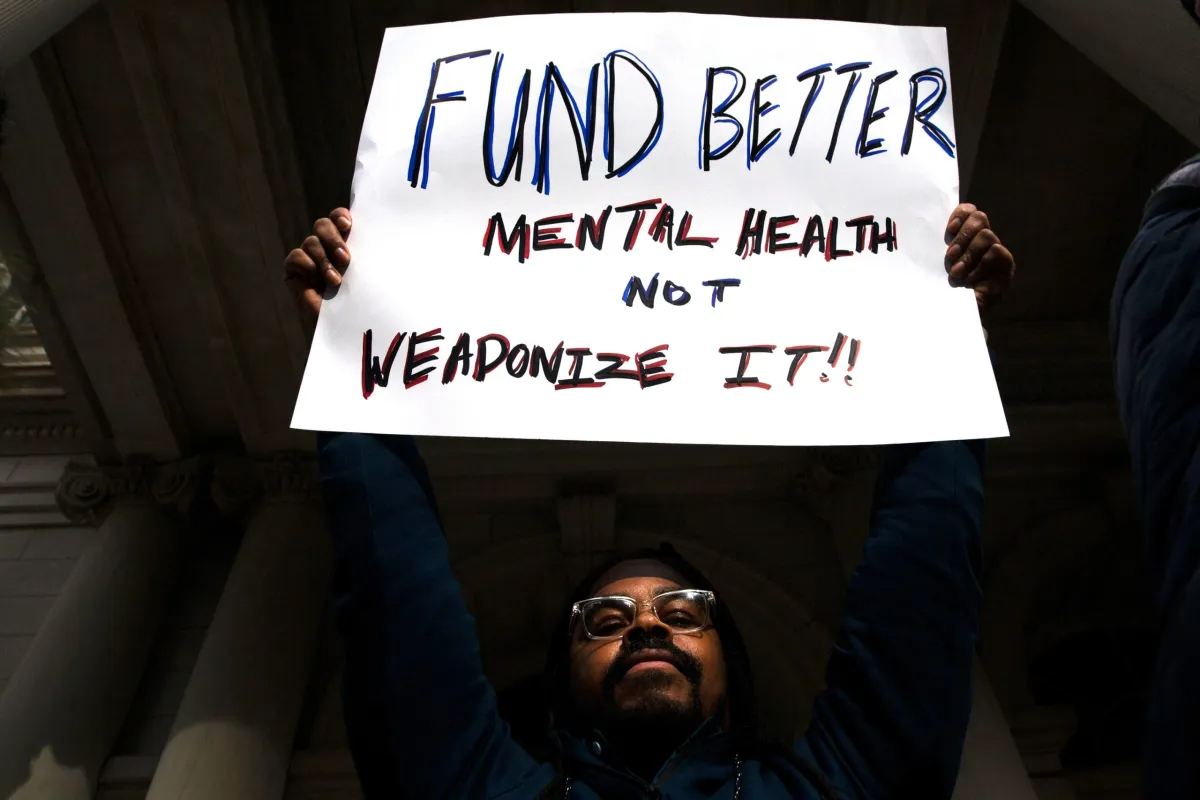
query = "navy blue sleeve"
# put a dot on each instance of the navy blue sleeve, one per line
(421, 718)
(893, 716)
(1155, 332)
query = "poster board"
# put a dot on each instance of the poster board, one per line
(656, 228)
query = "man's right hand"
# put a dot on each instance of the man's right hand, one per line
(318, 263)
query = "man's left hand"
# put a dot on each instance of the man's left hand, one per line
(975, 257)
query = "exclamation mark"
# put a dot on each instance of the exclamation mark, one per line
(836, 353)
(855, 346)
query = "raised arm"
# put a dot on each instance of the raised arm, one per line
(420, 715)
(894, 713)
(893, 716)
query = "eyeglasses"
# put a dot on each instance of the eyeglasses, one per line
(683, 611)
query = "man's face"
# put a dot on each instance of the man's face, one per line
(651, 674)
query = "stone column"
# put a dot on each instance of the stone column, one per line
(587, 527)
(69, 696)
(991, 767)
(837, 486)
(233, 736)
(1041, 733)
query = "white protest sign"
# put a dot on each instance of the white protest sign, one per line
(656, 228)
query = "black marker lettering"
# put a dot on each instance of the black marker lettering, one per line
(719, 286)
(577, 381)
(817, 76)
(651, 367)
(635, 289)
(518, 360)
(482, 365)
(750, 240)
(412, 377)
(675, 294)
(592, 230)
(719, 112)
(610, 127)
(799, 354)
(872, 147)
(418, 159)
(547, 233)
(855, 76)
(518, 239)
(373, 373)
(777, 241)
(516, 137)
(613, 371)
(459, 359)
(741, 380)
(544, 365)
(861, 225)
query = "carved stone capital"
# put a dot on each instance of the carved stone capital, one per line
(587, 527)
(812, 486)
(240, 484)
(82, 492)
(847, 461)
(85, 492)
(828, 468)
(587, 523)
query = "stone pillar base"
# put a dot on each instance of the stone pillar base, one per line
(991, 767)
(233, 736)
(68, 698)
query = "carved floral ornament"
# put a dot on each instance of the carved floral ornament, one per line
(239, 484)
(85, 491)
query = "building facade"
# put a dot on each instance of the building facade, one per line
(164, 626)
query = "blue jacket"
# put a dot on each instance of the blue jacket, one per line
(1155, 331)
(422, 720)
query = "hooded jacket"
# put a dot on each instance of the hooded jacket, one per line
(422, 719)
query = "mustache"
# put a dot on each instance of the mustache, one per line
(686, 663)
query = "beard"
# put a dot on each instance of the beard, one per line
(651, 720)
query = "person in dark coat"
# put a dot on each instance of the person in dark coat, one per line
(648, 678)
(1155, 331)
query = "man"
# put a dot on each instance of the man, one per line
(649, 681)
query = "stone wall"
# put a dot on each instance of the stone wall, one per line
(38, 550)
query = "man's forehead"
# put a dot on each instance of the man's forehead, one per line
(639, 576)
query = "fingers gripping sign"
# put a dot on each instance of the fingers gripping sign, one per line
(318, 264)
(975, 257)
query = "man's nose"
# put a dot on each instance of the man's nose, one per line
(647, 625)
